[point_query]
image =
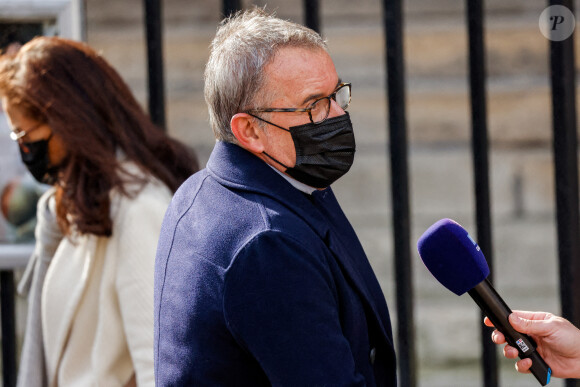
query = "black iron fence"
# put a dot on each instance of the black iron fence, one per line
(562, 72)
(565, 149)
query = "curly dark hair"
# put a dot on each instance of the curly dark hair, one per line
(71, 88)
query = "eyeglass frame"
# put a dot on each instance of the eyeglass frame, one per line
(309, 108)
(16, 135)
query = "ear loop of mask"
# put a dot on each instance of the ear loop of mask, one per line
(278, 126)
(268, 122)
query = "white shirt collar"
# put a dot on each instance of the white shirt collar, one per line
(295, 183)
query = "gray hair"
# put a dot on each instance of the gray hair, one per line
(243, 45)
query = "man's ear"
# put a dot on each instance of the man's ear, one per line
(249, 135)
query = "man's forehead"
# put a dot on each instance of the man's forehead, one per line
(293, 55)
(299, 72)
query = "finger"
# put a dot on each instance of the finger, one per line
(487, 322)
(524, 365)
(510, 352)
(532, 326)
(497, 337)
(531, 315)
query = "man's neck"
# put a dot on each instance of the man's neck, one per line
(295, 183)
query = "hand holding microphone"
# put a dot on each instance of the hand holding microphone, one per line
(558, 341)
(456, 261)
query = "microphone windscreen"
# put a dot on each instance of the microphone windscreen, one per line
(452, 256)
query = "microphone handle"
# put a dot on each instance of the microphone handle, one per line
(498, 312)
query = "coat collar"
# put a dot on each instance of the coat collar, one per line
(235, 167)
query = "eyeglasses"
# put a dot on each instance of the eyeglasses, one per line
(18, 133)
(318, 110)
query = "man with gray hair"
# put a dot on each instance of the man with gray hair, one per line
(260, 279)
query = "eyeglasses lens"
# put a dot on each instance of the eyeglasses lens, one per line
(320, 109)
(343, 97)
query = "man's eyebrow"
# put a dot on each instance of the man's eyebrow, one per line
(318, 96)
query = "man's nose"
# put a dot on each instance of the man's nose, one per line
(335, 109)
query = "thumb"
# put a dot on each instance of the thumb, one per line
(523, 325)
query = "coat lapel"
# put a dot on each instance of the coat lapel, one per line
(66, 282)
(350, 254)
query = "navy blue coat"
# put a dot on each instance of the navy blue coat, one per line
(257, 284)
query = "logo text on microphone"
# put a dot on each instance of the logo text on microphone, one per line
(522, 345)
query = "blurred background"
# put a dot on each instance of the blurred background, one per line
(447, 327)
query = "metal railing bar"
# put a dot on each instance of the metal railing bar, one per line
(480, 155)
(393, 27)
(312, 14)
(155, 78)
(230, 6)
(565, 148)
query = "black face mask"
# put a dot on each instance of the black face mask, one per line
(324, 152)
(37, 161)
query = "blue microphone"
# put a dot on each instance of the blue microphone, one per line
(455, 259)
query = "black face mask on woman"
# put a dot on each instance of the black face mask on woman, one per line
(324, 152)
(35, 156)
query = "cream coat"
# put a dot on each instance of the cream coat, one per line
(97, 299)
